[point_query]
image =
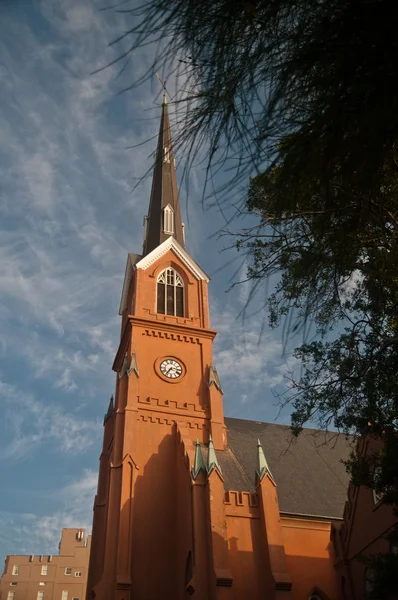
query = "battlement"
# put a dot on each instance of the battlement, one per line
(188, 407)
(177, 337)
(241, 504)
(150, 418)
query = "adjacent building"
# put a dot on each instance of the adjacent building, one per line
(363, 530)
(49, 577)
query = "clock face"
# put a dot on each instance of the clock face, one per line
(171, 368)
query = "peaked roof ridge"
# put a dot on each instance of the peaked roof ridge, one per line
(164, 191)
(170, 243)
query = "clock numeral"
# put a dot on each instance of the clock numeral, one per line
(171, 368)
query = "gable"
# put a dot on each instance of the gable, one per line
(135, 261)
(172, 244)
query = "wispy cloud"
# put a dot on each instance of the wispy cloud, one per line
(29, 533)
(252, 363)
(69, 213)
(31, 423)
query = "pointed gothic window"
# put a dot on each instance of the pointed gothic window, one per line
(166, 154)
(168, 219)
(170, 293)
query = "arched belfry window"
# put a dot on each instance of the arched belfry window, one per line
(170, 293)
(168, 219)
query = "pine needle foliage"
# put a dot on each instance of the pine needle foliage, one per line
(249, 72)
(334, 253)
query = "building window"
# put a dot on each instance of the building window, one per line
(15, 570)
(42, 583)
(68, 571)
(11, 596)
(40, 595)
(44, 569)
(78, 574)
(166, 154)
(13, 583)
(168, 219)
(65, 595)
(170, 294)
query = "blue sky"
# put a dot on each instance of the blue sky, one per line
(69, 215)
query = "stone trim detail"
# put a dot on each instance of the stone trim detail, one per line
(173, 404)
(172, 244)
(171, 336)
(165, 421)
(241, 499)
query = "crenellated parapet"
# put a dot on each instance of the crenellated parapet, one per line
(170, 405)
(241, 504)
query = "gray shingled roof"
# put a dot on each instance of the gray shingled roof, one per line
(310, 478)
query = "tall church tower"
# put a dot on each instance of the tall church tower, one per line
(148, 521)
(179, 512)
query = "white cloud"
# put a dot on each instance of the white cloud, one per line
(243, 354)
(30, 423)
(29, 533)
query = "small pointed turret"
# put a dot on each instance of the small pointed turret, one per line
(110, 410)
(214, 378)
(199, 464)
(164, 218)
(212, 461)
(263, 467)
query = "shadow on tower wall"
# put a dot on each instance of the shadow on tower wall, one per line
(161, 545)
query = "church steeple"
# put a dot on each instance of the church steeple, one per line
(164, 218)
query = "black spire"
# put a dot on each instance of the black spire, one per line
(164, 218)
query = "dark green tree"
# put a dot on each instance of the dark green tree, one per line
(334, 254)
(249, 72)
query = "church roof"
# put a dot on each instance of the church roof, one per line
(164, 193)
(310, 477)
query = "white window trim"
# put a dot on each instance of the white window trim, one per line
(65, 595)
(178, 282)
(168, 219)
(44, 570)
(68, 569)
(16, 569)
(78, 574)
